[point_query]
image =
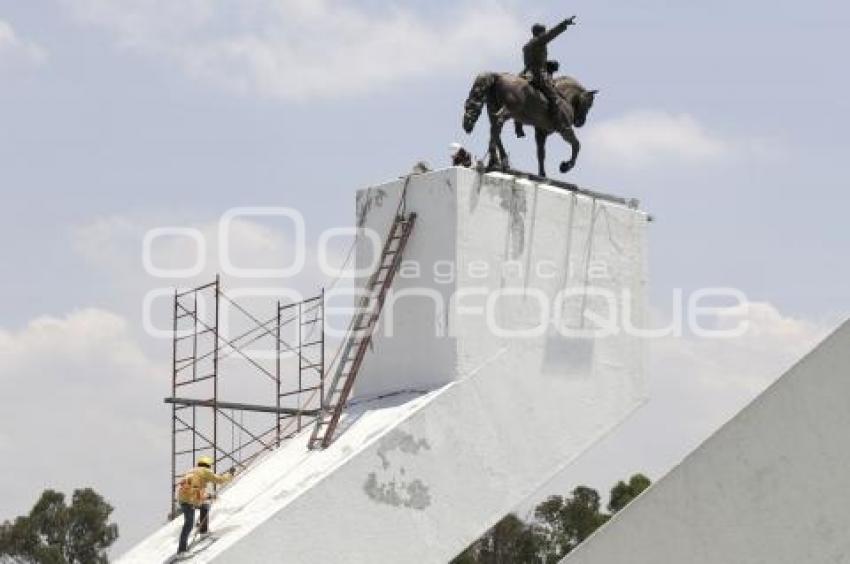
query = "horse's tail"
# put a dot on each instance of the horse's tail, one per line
(476, 99)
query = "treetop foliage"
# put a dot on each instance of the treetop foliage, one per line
(558, 526)
(56, 533)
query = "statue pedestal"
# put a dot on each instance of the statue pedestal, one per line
(495, 264)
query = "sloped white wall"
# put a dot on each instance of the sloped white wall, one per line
(770, 486)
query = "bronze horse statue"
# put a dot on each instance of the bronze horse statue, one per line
(509, 96)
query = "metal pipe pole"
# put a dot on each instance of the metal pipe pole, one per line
(300, 361)
(215, 377)
(322, 354)
(194, 374)
(277, 371)
(173, 476)
(239, 406)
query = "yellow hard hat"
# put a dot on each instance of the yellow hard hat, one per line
(205, 461)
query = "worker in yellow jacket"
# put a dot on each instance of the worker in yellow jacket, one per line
(192, 494)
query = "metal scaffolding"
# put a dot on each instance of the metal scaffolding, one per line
(289, 364)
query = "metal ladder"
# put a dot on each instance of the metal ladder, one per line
(360, 332)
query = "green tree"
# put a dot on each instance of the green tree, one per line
(567, 521)
(560, 524)
(623, 493)
(510, 541)
(56, 533)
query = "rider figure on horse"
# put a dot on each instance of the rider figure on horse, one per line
(539, 69)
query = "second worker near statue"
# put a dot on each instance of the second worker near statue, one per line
(538, 68)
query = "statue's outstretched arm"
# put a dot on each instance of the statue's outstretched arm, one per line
(554, 32)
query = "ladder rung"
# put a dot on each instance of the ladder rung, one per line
(352, 358)
(310, 366)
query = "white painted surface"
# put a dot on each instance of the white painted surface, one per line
(416, 478)
(769, 487)
(275, 481)
(489, 230)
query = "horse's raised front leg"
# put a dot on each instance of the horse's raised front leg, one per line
(570, 137)
(540, 138)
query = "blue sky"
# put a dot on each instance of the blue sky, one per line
(727, 119)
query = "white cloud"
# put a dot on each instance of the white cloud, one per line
(647, 138)
(16, 52)
(696, 385)
(720, 374)
(115, 244)
(300, 49)
(81, 407)
(79, 337)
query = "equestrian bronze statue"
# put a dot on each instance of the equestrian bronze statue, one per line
(534, 97)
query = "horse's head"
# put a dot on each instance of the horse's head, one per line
(470, 116)
(484, 82)
(582, 102)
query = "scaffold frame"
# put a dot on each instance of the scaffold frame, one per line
(199, 413)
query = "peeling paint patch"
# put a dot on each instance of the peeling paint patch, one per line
(374, 197)
(396, 490)
(414, 494)
(404, 442)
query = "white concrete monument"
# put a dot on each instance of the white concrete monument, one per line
(502, 354)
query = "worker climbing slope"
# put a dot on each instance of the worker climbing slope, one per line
(192, 494)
